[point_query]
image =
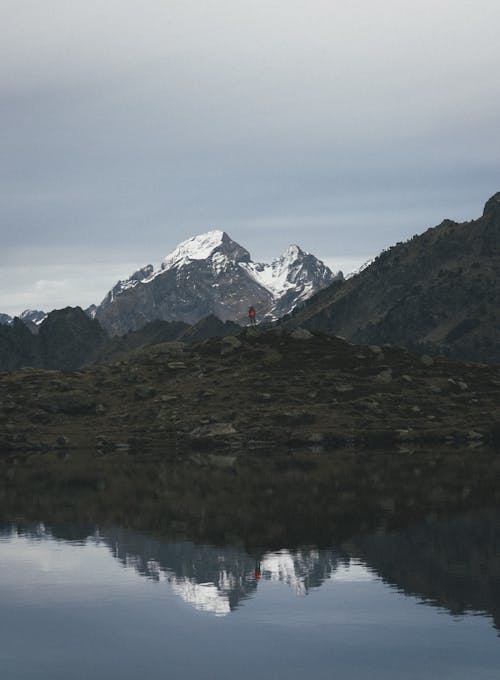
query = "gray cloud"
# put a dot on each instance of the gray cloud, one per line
(128, 126)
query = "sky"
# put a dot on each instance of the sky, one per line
(128, 126)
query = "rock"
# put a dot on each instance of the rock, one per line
(415, 409)
(384, 377)
(176, 365)
(463, 385)
(144, 392)
(375, 349)
(265, 396)
(75, 402)
(230, 343)
(427, 360)
(407, 378)
(168, 397)
(62, 441)
(316, 437)
(344, 387)
(219, 461)
(301, 334)
(405, 434)
(214, 430)
(100, 410)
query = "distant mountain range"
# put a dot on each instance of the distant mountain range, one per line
(208, 274)
(212, 274)
(436, 293)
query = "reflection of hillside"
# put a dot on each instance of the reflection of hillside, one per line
(453, 564)
(270, 499)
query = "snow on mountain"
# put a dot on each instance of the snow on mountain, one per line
(30, 317)
(195, 248)
(36, 316)
(212, 274)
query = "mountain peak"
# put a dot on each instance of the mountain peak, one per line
(492, 205)
(203, 246)
(212, 274)
(293, 252)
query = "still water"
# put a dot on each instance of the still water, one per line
(89, 601)
(274, 564)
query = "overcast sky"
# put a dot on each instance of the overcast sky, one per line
(128, 126)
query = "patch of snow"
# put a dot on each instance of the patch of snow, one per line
(195, 248)
(275, 277)
(36, 316)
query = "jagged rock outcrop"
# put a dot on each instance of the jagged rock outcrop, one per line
(18, 346)
(67, 338)
(211, 274)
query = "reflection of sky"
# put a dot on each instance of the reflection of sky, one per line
(72, 610)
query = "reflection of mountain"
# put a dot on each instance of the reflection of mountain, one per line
(218, 579)
(453, 564)
(207, 577)
(210, 578)
(277, 501)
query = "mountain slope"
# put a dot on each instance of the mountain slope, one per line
(211, 274)
(437, 292)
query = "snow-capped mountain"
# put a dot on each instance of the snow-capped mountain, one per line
(212, 274)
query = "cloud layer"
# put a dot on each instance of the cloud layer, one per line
(129, 126)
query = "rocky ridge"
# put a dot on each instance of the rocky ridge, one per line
(436, 293)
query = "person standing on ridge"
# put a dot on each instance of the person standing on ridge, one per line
(251, 316)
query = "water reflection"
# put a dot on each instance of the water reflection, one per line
(452, 564)
(216, 527)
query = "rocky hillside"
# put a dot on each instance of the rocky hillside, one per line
(257, 389)
(212, 274)
(437, 292)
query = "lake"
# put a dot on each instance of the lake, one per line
(174, 568)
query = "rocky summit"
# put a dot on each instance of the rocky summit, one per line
(212, 274)
(258, 390)
(436, 293)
